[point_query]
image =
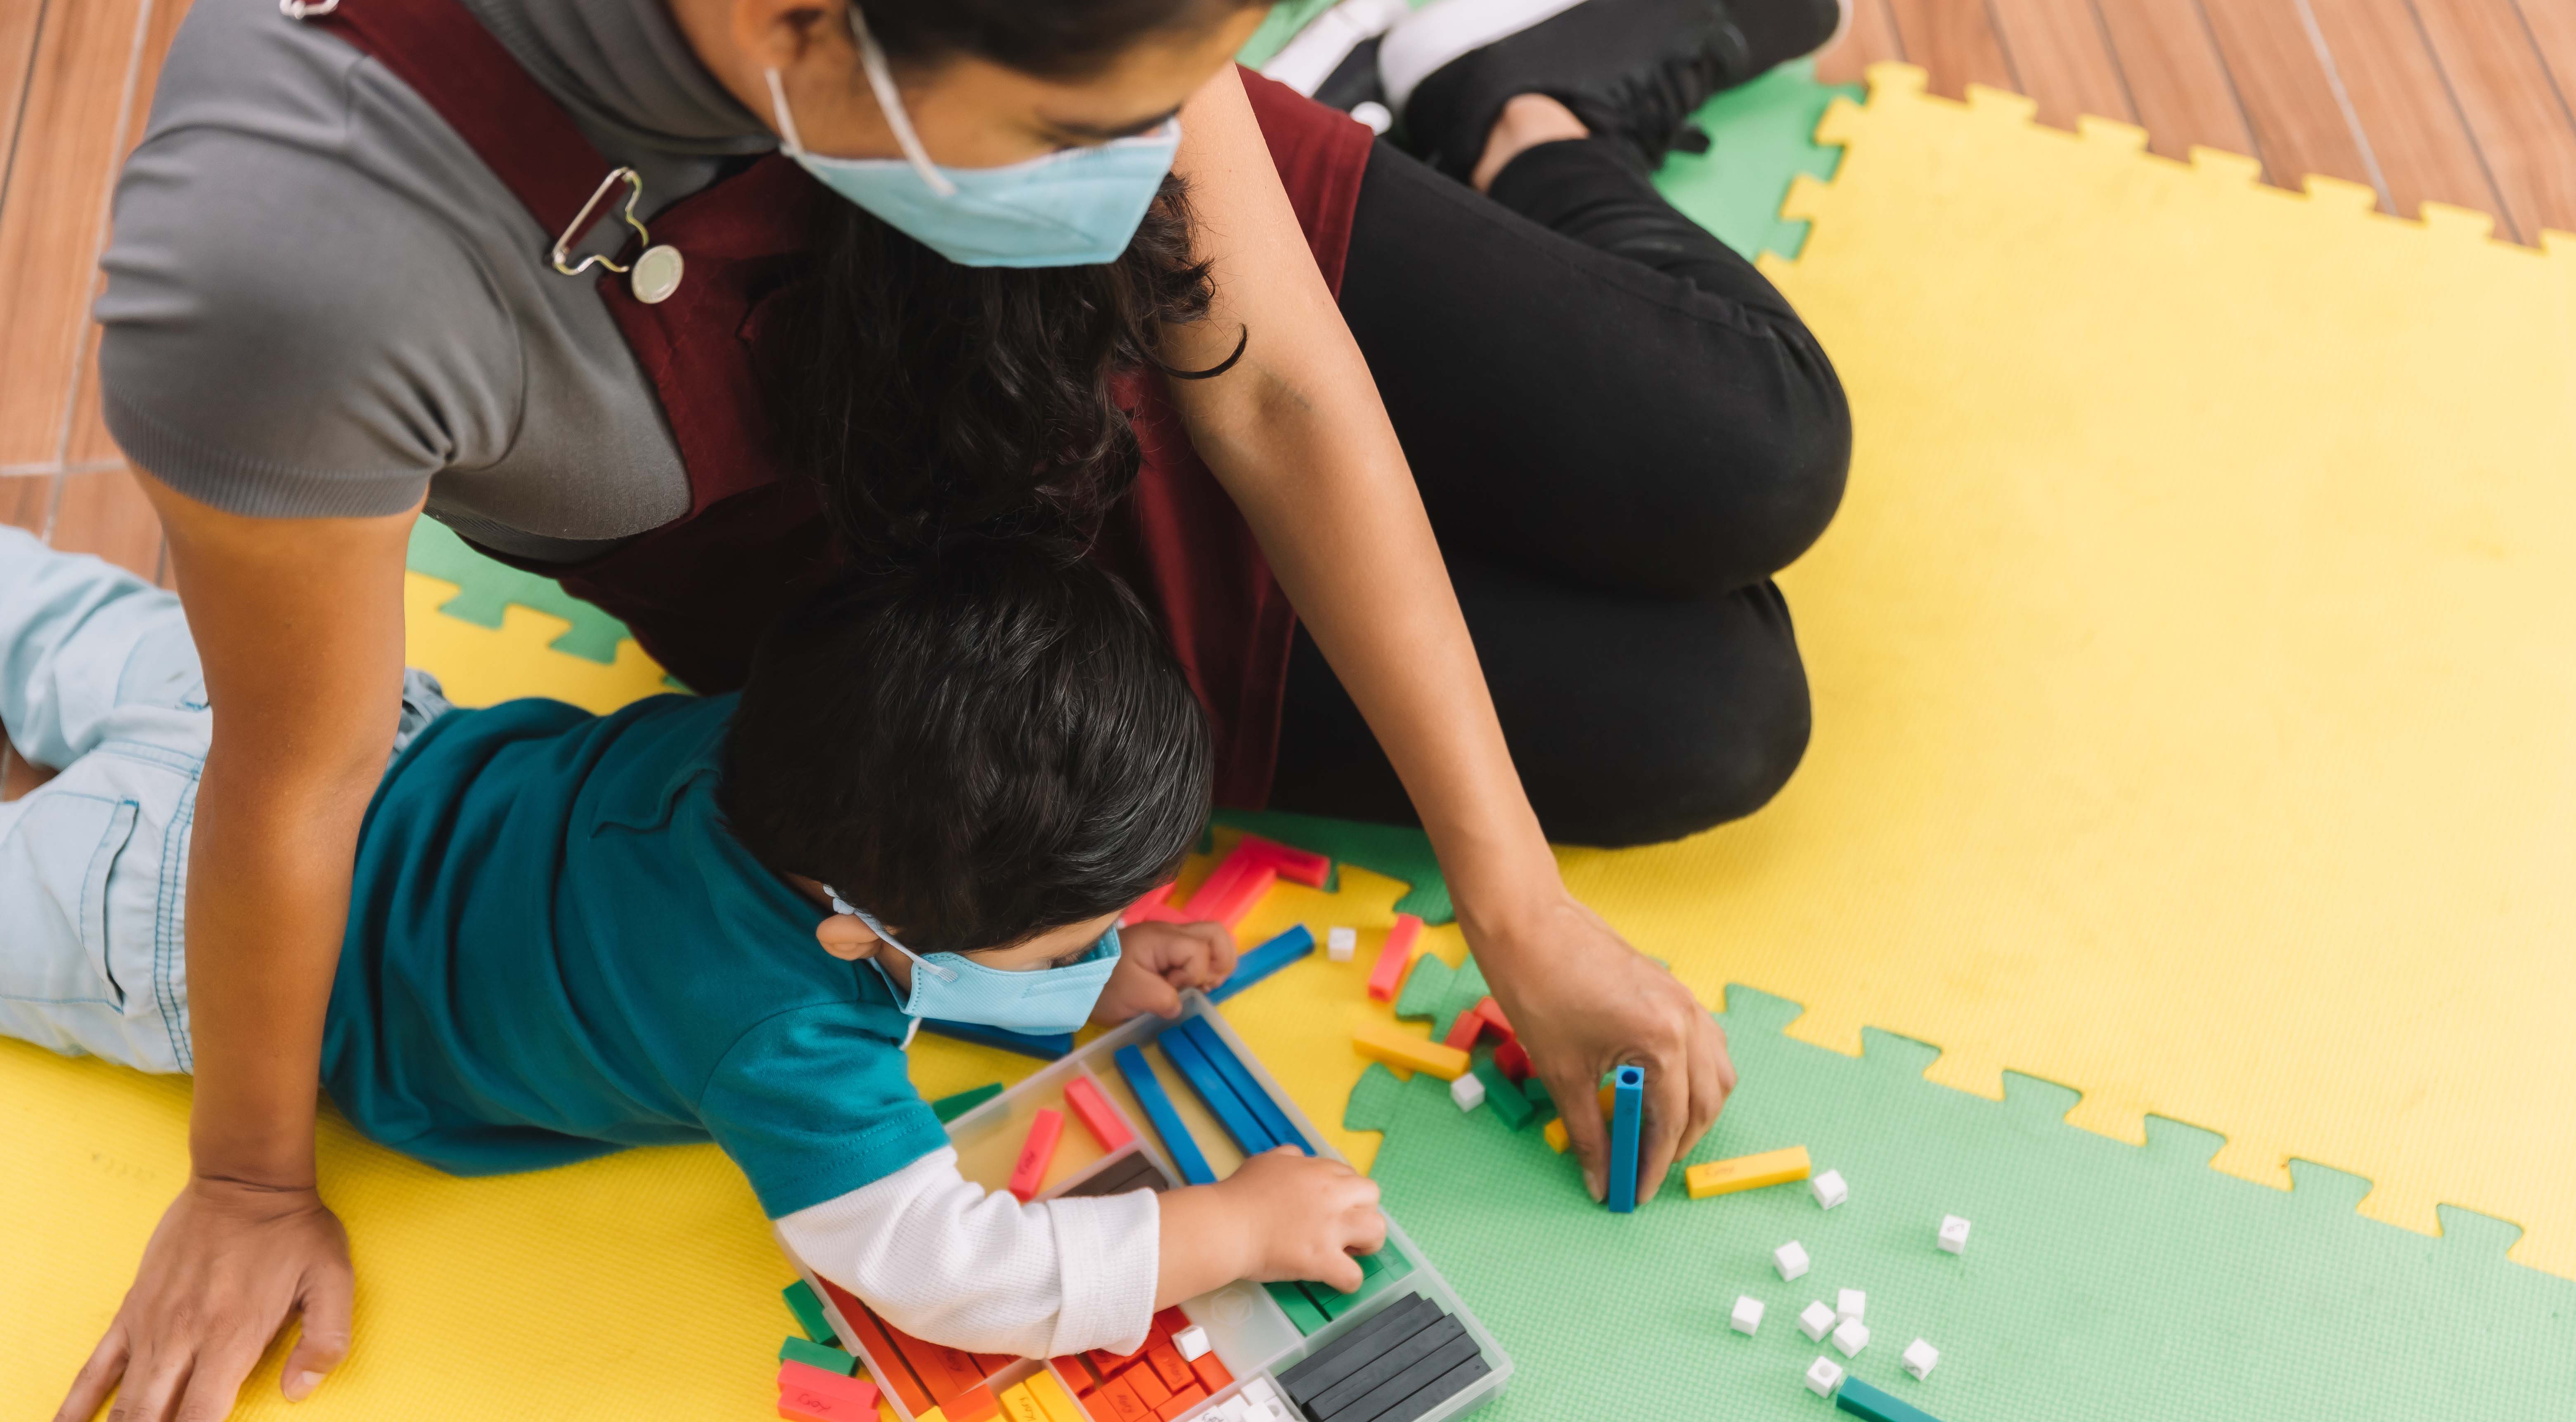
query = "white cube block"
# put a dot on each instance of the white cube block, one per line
(1468, 1091)
(1829, 1189)
(1191, 1343)
(1233, 1409)
(1817, 1321)
(1851, 1335)
(1341, 943)
(1850, 1303)
(1748, 1314)
(1790, 1259)
(1823, 1376)
(1954, 1233)
(1264, 1403)
(1921, 1358)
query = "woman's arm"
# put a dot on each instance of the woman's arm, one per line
(1298, 436)
(299, 624)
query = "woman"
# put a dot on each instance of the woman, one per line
(350, 282)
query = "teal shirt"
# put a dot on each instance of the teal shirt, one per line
(556, 949)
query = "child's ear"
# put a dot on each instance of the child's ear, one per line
(845, 937)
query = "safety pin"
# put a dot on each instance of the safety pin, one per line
(657, 269)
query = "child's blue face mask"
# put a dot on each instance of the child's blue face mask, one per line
(954, 988)
(1069, 209)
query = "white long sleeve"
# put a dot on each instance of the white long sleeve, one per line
(947, 1262)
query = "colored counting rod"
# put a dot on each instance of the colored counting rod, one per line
(1394, 958)
(1269, 958)
(1273, 1120)
(1096, 1114)
(1215, 1094)
(1177, 1141)
(1627, 1115)
(809, 1313)
(1046, 1132)
(1043, 1048)
(1746, 1172)
(1872, 1405)
(1384, 1042)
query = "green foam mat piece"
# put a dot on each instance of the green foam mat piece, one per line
(485, 587)
(1761, 136)
(1400, 852)
(1371, 1105)
(1277, 28)
(2101, 1281)
(1426, 984)
(1438, 992)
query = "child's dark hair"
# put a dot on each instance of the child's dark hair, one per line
(987, 744)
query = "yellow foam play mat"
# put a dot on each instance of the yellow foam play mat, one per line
(2193, 703)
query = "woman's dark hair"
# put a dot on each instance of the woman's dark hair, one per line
(919, 395)
(1053, 39)
(989, 744)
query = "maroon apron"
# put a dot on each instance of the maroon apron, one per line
(699, 591)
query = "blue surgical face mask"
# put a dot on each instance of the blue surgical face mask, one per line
(1069, 209)
(954, 988)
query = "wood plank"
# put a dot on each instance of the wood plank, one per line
(90, 441)
(20, 22)
(2063, 57)
(1956, 41)
(2176, 78)
(2524, 127)
(24, 500)
(50, 221)
(106, 514)
(2552, 26)
(1869, 39)
(2407, 115)
(2289, 94)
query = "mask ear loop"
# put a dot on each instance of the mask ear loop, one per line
(881, 81)
(841, 905)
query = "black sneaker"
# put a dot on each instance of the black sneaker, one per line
(1632, 70)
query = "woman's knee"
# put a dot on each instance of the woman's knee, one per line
(1712, 742)
(1740, 486)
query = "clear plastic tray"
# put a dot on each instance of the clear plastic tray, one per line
(1250, 1333)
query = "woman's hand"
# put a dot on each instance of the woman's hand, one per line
(226, 1266)
(1582, 1002)
(1156, 961)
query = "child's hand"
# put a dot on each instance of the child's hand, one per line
(1156, 961)
(1282, 1215)
(1308, 1216)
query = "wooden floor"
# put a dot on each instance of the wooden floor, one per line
(2467, 102)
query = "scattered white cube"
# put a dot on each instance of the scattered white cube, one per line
(1954, 1233)
(1851, 1336)
(1829, 1189)
(1341, 943)
(1191, 1343)
(1921, 1358)
(1791, 1260)
(1817, 1321)
(1748, 1314)
(1850, 1303)
(1468, 1091)
(1823, 1376)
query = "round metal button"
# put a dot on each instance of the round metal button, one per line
(657, 274)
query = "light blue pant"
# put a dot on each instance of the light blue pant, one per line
(99, 680)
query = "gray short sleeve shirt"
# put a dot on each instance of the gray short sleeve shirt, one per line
(319, 302)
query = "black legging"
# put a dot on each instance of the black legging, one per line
(1621, 431)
